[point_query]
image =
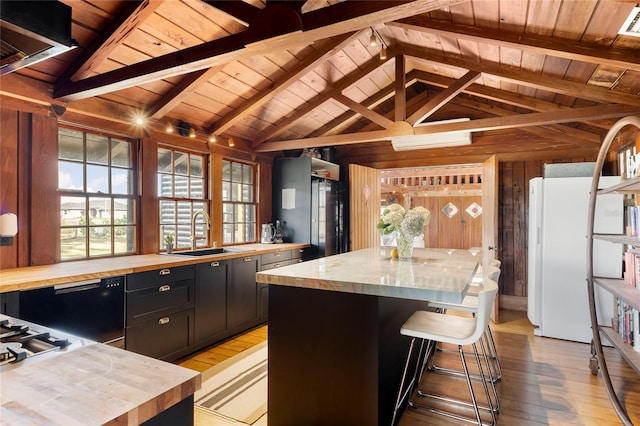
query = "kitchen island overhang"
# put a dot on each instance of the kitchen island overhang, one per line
(335, 351)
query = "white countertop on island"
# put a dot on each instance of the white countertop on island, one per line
(432, 275)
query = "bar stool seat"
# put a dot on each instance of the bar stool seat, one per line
(460, 331)
(470, 304)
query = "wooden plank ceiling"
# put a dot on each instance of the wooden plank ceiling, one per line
(532, 75)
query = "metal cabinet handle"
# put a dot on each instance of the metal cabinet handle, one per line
(163, 321)
(276, 265)
(165, 271)
(247, 259)
(215, 264)
(164, 288)
(276, 254)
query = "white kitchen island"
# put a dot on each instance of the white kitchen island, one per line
(335, 349)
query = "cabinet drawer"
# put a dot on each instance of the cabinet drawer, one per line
(297, 254)
(159, 277)
(276, 256)
(266, 267)
(159, 300)
(165, 337)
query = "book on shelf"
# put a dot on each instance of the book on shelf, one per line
(626, 322)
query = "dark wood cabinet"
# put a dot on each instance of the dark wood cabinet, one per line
(242, 294)
(211, 302)
(10, 303)
(160, 312)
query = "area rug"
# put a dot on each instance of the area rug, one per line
(237, 387)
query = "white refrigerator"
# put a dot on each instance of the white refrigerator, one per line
(557, 255)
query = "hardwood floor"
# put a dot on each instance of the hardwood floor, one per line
(545, 381)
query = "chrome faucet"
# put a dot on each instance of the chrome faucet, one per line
(193, 227)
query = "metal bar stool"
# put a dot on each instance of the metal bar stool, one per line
(470, 304)
(460, 331)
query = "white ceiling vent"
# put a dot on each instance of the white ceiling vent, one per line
(631, 26)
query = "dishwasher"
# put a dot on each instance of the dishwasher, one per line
(93, 309)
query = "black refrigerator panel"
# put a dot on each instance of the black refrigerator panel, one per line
(325, 216)
(291, 179)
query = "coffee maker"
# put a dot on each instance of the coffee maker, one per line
(268, 233)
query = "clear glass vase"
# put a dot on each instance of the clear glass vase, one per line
(405, 247)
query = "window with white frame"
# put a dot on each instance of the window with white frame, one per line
(238, 202)
(96, 183)
(182, 191)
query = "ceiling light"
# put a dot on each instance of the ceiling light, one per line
(433, 140)
(231, 143)
(139, 121)
(169, 127)
(373, 40)
(212, 138)
(192, 133)
(383, 53)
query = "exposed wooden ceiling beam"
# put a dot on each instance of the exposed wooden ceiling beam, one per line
(128, 18)
(381, 120)
(514, 121)
(401, 89)
(502, 96)
(320, 24)
(179, 92)
(443, 97)
(527, 78)
(569, 49)
(321, 98)
(554, 131)
(325, 51)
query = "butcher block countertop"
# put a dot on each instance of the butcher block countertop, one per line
(66, 272)
(93, 385)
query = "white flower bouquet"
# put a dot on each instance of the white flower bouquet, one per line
(409, 223)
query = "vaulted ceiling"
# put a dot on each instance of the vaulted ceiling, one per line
(284, 75)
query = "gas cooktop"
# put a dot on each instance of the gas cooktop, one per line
(22, 342)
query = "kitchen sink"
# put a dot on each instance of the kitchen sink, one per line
(211, 250)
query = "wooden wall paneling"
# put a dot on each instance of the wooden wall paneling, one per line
(505, 230)
(44, 224)
(9, 181)
(364, 213)
(24, 188)
(450, 233)
(472, 227)
(148, 220)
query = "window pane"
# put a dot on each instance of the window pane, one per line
(247, 193)
(196, 165)
(197, 188)
(251, 213)
(72, 243)
(247, 174)
(99, 241)
(165, 185)
(251, 232)
(120, 153)
(72, 211)
(184, 232)
(97, 149)
(227, 234)
(226, 170)
(164, 160)
(181, 186)
(227, 213)
(124, 212)
(97, 179)
(167, 211)
(240, 238)
(181, 164)
(235, 191)
(99, 211)
(123, 239)
(70, 176)
(121, 181)
(226, 191)
(184, 212)
(236, 172)
(70, 145)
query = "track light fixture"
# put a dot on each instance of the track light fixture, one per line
(212, 138)
(231, 143)
(383, 53)
(169, 127)
(192, 133)
(373, 40)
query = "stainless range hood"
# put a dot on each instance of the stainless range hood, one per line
(32, 31)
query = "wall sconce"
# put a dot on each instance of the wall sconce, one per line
(8, 228)
(231, 143)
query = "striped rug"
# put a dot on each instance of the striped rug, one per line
(237, 387)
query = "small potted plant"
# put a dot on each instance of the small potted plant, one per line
(168, 242)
